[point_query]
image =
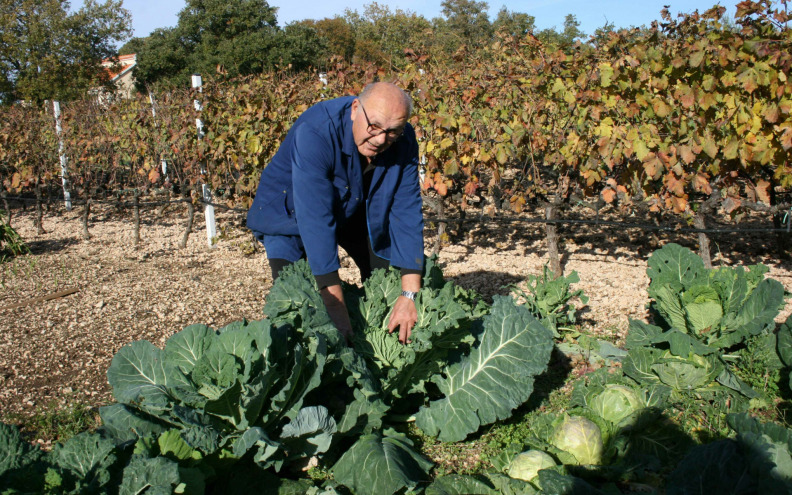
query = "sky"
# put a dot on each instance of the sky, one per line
(148, 15)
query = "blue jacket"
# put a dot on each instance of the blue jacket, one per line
(314, 183)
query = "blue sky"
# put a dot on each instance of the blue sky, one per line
(148, 15)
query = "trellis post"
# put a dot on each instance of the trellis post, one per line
(163, 162)
(211, 229)
(62, 153)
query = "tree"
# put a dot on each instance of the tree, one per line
(338, 37)
(465, 22)
(513, 23)
(298, 47)
(567, 37)
(48, 52)
(135, 45)
(381, 35)
(161, 58)
(231, 36)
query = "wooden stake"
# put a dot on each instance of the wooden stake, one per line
(48, 297)
(188, 227)
(86, 212)
(551, 233)
(136, 203)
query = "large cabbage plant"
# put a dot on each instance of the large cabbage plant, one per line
(247, 407)
(467, 365)
(719, 307)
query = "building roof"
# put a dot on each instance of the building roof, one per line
(118, 69)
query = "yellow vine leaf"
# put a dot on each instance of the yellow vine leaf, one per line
(558, 85)
(660, 108)
(709, 146)
(501, 155)
(451, 167)
(640, 149)
(696, 58)
(731, 148)
(606, 74)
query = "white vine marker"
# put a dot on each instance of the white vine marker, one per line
(62, 152)
(211, 228)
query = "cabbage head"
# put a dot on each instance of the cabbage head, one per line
(687, 373)
(580, 437)
(703, 309)
(526, 466)
(615, 403)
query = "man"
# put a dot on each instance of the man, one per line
(347, 175)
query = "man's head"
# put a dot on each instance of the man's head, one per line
(379, 115)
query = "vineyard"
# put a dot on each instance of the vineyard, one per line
(642, 368)
(687, 120)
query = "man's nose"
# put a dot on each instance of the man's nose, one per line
(380, 138)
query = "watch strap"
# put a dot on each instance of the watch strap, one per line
(409, 295)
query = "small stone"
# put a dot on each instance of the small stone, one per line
(100, 305)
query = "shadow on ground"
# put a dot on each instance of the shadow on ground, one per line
(633, 238)
(487, 283)
(51, 246)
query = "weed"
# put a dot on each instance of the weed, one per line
(759, 366)
(11, 244)
(319, 473)
(57, 423)
(702, 414)
(548, 298)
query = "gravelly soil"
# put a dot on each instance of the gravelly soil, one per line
(56, 352)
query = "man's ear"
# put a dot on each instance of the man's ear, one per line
(354, 109)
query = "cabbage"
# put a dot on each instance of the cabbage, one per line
(687, 373)
(581, 438)
(615, 403)
(526, 466)
(703, 308)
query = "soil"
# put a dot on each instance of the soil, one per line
(55, 353)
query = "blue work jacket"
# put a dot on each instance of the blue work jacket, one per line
(314, 183)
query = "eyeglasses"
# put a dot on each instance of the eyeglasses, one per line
(374, 130)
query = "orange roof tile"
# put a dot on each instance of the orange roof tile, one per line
(116, 69)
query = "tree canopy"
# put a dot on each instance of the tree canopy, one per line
(241, 37)
(228, 37)
(48, 52)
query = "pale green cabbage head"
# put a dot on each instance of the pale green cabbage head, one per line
(526, 466)
(580, 437)
(703, 309)
(615, 403)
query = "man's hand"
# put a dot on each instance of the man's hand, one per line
(403, 317)
(333, 298)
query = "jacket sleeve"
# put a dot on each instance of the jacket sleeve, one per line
(406, 217)
(314, 199)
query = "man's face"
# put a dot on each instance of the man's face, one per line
(378, 122)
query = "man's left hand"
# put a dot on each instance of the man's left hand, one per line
(404, 316)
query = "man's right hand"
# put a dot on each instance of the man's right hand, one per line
(333, 298)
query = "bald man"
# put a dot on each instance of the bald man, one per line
(347, 175)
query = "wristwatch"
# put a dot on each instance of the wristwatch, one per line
(409, 295)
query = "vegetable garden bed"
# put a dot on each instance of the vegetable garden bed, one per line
(218, 425)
